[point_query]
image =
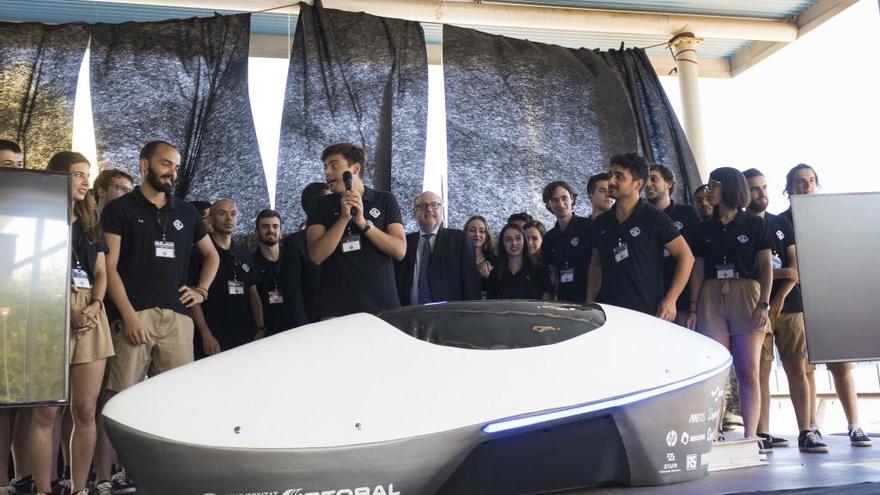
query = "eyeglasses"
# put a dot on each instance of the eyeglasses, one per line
(434, 206)
(120, 188)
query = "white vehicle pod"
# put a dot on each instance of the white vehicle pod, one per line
(469, 397)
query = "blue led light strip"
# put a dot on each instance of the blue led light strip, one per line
(511, 424)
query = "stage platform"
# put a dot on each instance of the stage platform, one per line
(843, 470)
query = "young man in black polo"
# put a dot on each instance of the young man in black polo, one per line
(802, 179)
(597, 193)
(150, 234)
(626, 267)
(283, 308)
(355, 235)
(567, 246)
(658, 191)
(233, 314)
(787, 328)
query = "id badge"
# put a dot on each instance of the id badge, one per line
(235, 287)
(351, 243)
(566, 276)
(276, 297)
(621, 252)
(724, 271)
(164, 249)
(777, 261)
(80, 278)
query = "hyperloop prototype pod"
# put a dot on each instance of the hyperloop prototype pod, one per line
(473, 398)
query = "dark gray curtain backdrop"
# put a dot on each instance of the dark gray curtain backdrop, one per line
(356, 78)
(661, 137)
(521, 114)
(39, 66)
(183, 81)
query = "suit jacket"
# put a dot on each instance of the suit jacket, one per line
(452, 271)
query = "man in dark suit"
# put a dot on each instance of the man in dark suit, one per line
(439, 264)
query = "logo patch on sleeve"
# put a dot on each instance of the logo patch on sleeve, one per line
(178, 224)
(780, 235)
(375, 213)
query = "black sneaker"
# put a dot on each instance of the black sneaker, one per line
(22, 486)
(810, 441)
(858, 438)
(122, 484)
(61, 486)
(764, 445)
(774, 441)
(817, 432)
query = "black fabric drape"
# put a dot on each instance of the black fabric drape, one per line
(661, 137)
(356, 78)
(185, 82)
(39, 67)
(520, 115)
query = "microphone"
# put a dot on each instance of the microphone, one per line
(348, 180)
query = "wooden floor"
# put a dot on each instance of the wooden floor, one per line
(787, 469)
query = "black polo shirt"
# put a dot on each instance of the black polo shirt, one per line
(83, 252)
(738, 242)
(229, 316)
(270, 277)
(531, 282)
(362, 280)
(636, 281)
(570, 249)
(686, 219)
(303, 278)
(151, 281)
(793, 302)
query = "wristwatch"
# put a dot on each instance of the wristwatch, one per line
(764, 305)
(368, 227)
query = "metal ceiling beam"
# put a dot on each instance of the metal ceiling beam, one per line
(810, 19)
(521, 16)
(268, 46)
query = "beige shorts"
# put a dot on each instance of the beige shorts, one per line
(726, 307)
(95, 344)
(171, 334)
(789, 335)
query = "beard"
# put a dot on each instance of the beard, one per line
(153, 180)
(268, 242)
(757, 206)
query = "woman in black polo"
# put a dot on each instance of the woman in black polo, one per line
(516, 276)
(733, 274)
(90, 341)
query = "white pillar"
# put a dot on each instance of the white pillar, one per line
(684, 45)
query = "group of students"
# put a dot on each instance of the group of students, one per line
(180, 288)
(724, 267)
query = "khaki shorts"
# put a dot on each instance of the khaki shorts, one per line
(172, 346)
(726, 307)
(95, 344)
(788, 332)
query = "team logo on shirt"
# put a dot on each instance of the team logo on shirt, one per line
(780, 235)
(678, 225)
(635, 231)
(178, 224)
(375, 213)
(245, 267)
(575, 241)
(742, 238)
